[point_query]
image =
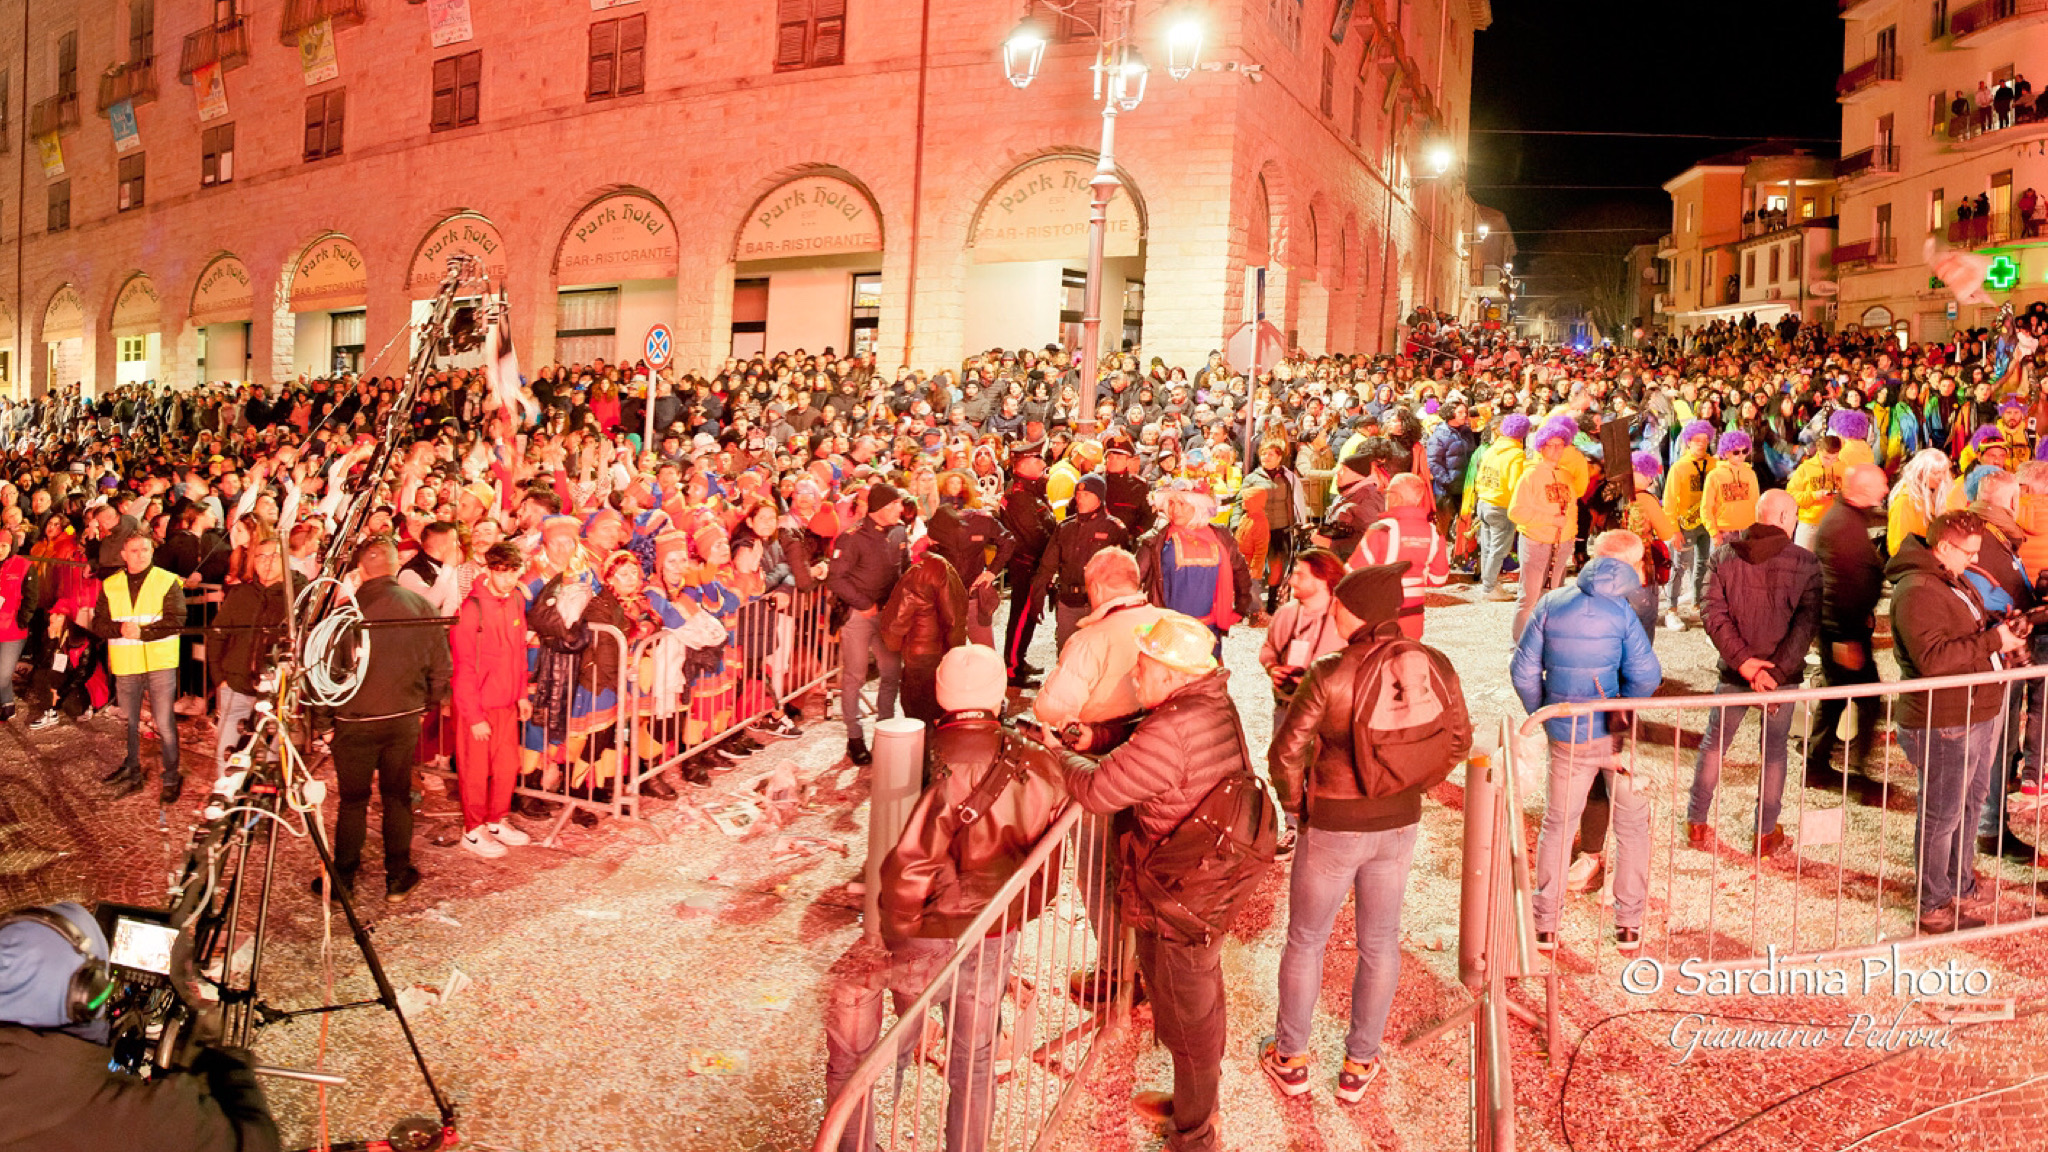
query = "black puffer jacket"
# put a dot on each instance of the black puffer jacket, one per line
(1763, 601)
(1311, 761)
(1851, 570)
(1175, 755)
(56, 1095)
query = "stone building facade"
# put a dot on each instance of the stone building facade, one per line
(258, 189)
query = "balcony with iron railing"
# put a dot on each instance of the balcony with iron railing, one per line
(1997, 228)
(300, 15)
(1667, 246)
(1879, 251)
(1864, 77)
(1881, 159)
(225, 44)
(134, 80)
(1978, 21)
(56, 114)
(1665, 301)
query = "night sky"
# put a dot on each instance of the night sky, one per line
(1715, 67)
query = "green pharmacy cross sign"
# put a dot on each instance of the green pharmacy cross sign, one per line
(2002, 273)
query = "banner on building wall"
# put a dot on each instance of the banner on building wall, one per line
(624, 237)
(467, 233)
(52, 153)
(448, 22)
(223, 295)
(812, 216)
(330, 275)
(127, 137)
(212, 91)
(317, 61)
(137, 310)
(1040, 212)
(1340, 22)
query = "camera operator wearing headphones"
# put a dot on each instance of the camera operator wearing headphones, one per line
(56, 1091)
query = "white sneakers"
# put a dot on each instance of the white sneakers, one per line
(509, 836)
(1673, 622)
(491, 840)
(1583, 873)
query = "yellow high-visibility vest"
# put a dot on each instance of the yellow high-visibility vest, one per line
(135, 657)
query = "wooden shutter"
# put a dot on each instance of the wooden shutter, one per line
(632, 55)
(444, 93)
(604, 59)
(792, 32)
(828, 32)
(316, 125)
(337, 101)
(469, 75)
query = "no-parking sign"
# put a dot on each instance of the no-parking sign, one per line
(659, 344)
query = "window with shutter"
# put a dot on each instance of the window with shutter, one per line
(130, 189)
(217, 155)
(1329, 101)
(141, 29)
(444, 94)
(792, 33)
(67, 64)
(336, 102)
(604, 60)
(469, 74)
(809, 33)
(828, 32)
(60, 206)
(632, 55)
(323, 124)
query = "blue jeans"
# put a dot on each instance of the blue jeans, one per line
(10, 655)
(861, 635)
(1572, 768)
(1495, 532)
(973, 1007)
(235, 709)
(1328, 866)
(1722, 724)
(162, 687)
(1955, 773)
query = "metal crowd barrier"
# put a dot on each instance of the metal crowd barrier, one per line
(1861, 846)
(999, 1068)
(679, 703)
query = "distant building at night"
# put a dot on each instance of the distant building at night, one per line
(1490, 262)
(1751, 235)
(1923, 161)
(217, 190)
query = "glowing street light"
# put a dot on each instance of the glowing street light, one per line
(1023, 51)
(1483, 230)
(1440, 156)
(1127, 80)
(1183, 44)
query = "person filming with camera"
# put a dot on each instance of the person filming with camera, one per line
(57, 1093)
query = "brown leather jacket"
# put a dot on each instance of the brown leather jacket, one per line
(927, 613)
(1310, 760)
(942, 873)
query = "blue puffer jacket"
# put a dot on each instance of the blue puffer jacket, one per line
(1584, 642)
(1449, 450)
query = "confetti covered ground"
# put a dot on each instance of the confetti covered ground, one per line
(659, 984)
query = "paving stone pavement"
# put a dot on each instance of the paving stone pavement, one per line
(659, 985)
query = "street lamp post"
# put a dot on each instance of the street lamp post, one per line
(1120, 76)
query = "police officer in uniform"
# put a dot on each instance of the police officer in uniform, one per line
(1130, 498)
(1088, 529)
(1027, 518)
(964, 536)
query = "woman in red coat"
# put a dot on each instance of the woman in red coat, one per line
(14, 618)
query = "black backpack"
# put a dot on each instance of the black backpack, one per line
(1188, 887)
(1408, 724)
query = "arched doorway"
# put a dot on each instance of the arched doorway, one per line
(222, 301)
(64, 339)
(136, 324)
(329, 295)
(807, 269)
(615, 278)
(1029, 260)
(468, 232)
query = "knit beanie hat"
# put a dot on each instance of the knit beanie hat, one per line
(880, 496)
(1096, 483)
(1373, 593)
(971, 678)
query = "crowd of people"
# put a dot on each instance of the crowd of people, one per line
(1760, 483)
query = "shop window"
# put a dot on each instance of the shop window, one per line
(217, 154)
(132, 349)
(618, 57)
(867, 313)
(324, 116)
(131, 182)
(458, 86)
(749, 317)
(586, 326)
(60, 206)
(810, 33)
(346, 332)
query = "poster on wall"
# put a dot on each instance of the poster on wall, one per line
(448, 22)
(121, 115)
(52, 153)
(212, 90)
(317, 61)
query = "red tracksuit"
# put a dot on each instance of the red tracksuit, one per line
(488, 643)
